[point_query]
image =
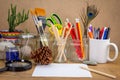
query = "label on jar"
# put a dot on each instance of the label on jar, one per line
(12, 54)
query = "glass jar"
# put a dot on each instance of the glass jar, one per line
(12, 53)
(28, 43)
(77, 52)
(73, 49)
(59, 51)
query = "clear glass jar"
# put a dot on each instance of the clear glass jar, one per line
(73, 51)
(28, 43)
(77, 52)
(59, 51)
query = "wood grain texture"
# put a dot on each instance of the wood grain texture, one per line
(112, 68)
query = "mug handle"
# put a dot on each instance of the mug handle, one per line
(116, 52)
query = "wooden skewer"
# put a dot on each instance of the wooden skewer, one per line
(99, 72)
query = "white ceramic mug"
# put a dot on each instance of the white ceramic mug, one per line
(99, 50)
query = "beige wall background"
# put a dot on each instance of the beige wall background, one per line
(109, 14)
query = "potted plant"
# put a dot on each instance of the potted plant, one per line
(14, 19)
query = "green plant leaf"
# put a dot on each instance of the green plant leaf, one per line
(14, 18)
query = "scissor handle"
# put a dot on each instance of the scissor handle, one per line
(53, 20)
(48, 19)
(59, 30)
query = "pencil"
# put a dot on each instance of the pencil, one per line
(81, 55)
(99, 72)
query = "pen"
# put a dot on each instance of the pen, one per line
(90, 34)
(98, 32)
(104, 33)
(108, 33)
(101, 33)
(94, 33)
(91, 28)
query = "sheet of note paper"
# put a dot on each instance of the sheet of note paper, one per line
(61, 70)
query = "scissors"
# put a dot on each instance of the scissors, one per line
(55, 20)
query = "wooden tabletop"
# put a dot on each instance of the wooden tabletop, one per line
(110, 68)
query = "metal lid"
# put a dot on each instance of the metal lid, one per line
(24, 36)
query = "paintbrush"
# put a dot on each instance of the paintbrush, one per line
(40, 13)
(42, 34)
(35, 19)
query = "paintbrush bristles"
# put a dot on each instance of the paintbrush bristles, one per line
(40, 12)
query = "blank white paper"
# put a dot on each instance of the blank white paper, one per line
(61, 70)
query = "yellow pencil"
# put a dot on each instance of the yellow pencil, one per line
(80, 38)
